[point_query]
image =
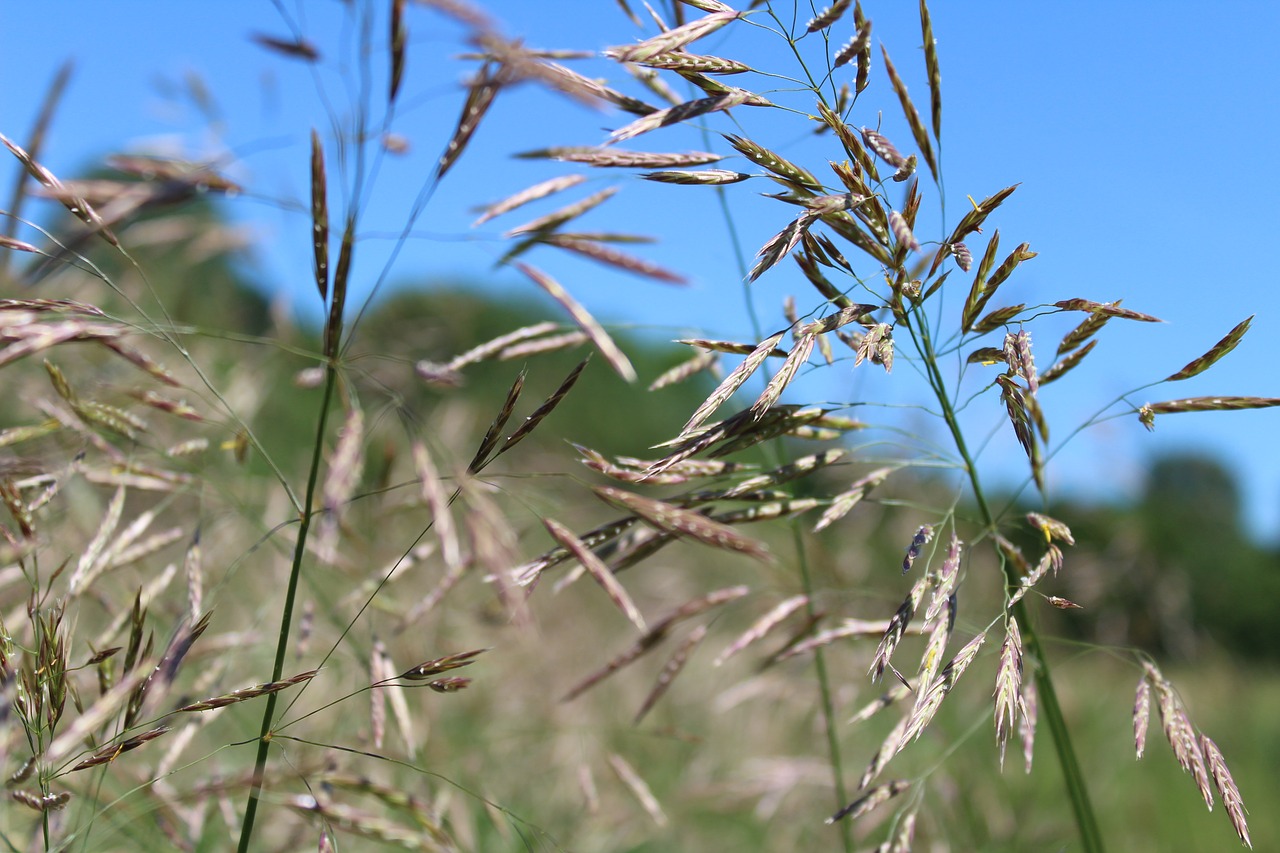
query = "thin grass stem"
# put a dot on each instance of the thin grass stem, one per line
(286, 615)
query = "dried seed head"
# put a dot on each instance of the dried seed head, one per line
(933, 69)
(1060, 367)
(598, 570)
(864, 55)
(435, 666)
(480, 94)
(827, 204)
(828, 16)
(1051, 560)
(729, 346)
(902, 231)
(41, 802)
(685, 370)
(247, 693)
(1083, 332)
(684, 111)
(1019, 415)
(705, 177)
(848, 314)
(1009, 264)
(906, 170)
(585, 321)
(1108, 309)
(774, 163)
(859, 46)
(16, 245)
(76, 205)
(638, 788)
(1021, 359)
(731, 383)
(1141, 715)
(436, 499)
(897, 628)
(850, 173)
(945, 579)
(690, 62)
(1181, 734)
(111, 752)
(346, 464)
(889, 747)
(293, 48)
(894, 694)
(612, 257)
(546, 408)
(399, 36)
(673, 39)
(656, 634)
(781, 244)
(877, 345)
(798, 356)
(613, 158)
(449, 685)
(944, 608)
(918, 131)
(997, 318)
(1147, 414)
(1008, 684)
(870, 800)
(394, 143)
(762, 626)
(492, 347)
(670, 670)
(1226, 786)
(929, 700)
(433, 373)
(1027, 725)
(842, 503)
(556, 218)
(533, 193)
(923, 536)
(1220, 349)
(987, 355)
(883, 147)
(532, 65)
(673, 519)
(1050, 527)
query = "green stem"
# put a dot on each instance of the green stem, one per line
(1051, 711)
(286, 616)
(824, 693)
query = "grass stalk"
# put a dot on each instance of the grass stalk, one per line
(286, 615)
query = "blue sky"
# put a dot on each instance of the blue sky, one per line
(1143, 136)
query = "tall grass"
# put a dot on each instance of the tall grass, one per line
(319, 541)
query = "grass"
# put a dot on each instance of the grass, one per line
(375, 629)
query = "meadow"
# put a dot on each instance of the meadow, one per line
(446, 571)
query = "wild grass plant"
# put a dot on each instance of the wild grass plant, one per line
(218, 626)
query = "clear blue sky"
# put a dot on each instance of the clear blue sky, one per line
(1144, 136)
